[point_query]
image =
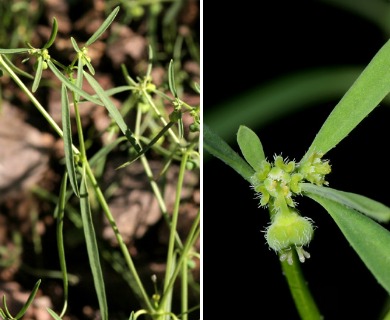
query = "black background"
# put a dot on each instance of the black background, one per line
(246, 45)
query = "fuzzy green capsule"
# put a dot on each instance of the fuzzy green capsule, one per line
(287, 231)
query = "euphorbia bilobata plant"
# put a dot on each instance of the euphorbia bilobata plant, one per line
(277, 184)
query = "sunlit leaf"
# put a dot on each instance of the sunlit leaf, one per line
(68, 147)
(17, 50)
(92, 249)
(72, 86)
(171, 79)
(52, 35)
(30, 299)
(113, 111)
(103, 27)
(38, 74)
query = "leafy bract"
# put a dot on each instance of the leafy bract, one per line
(369, 239)
(369, 207)
(251, 147)
(363, 96)
(221, 150)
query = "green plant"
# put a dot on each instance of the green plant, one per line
(279, 183)
(155, 129)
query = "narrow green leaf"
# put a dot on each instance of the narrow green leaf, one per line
(93, 251)
(52, 35)
(6, 308)
(369, 239)
(17, 50)
(79, 79)
(103, 27)
(150, 144)
(72, 86)
(53, 314)
(113, 111)
(38, 74)
(221, 150)
(29, 300)
(2, 314)
(75, 45)
(363, 96)
(16, 69)
(60, 238)
(89, 66)
(369, 207)
(251, 147)
(129, 80)
(171, 79)
(67, 130)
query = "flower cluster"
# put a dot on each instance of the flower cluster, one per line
(276, 185)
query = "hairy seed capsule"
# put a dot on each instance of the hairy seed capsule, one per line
(288, 230)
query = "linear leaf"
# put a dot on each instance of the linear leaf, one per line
(72, 86)
(103, 27)
(150, 144)
(74, 44)
(171, 79)
(369, 207)
(113, 111)
(93, 251)
(363, 96)
(53, 314)
(67, 130)
(251, 147)
(16, 69)
(17, 50)
(38, 74)
(52, 35)
(369, 239)
(29, 300)
(221, 150)
(60, 239)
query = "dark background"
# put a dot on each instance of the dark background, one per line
(244, 47)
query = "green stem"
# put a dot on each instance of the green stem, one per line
(60, 241)
(175, 217)
(147, 96)
(300, 292)
(184, 289)
(140, 290)
(192, 236)
(40, 108)
(79, 128)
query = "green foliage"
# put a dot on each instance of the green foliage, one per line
(277, 187)
(153, 124)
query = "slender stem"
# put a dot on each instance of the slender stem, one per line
(300, 292)
(184, 289)
(192, 236)
(140, 291)
(173, 227)
(147, 96)
(40, 108)
(60, 241)
(79, 128)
